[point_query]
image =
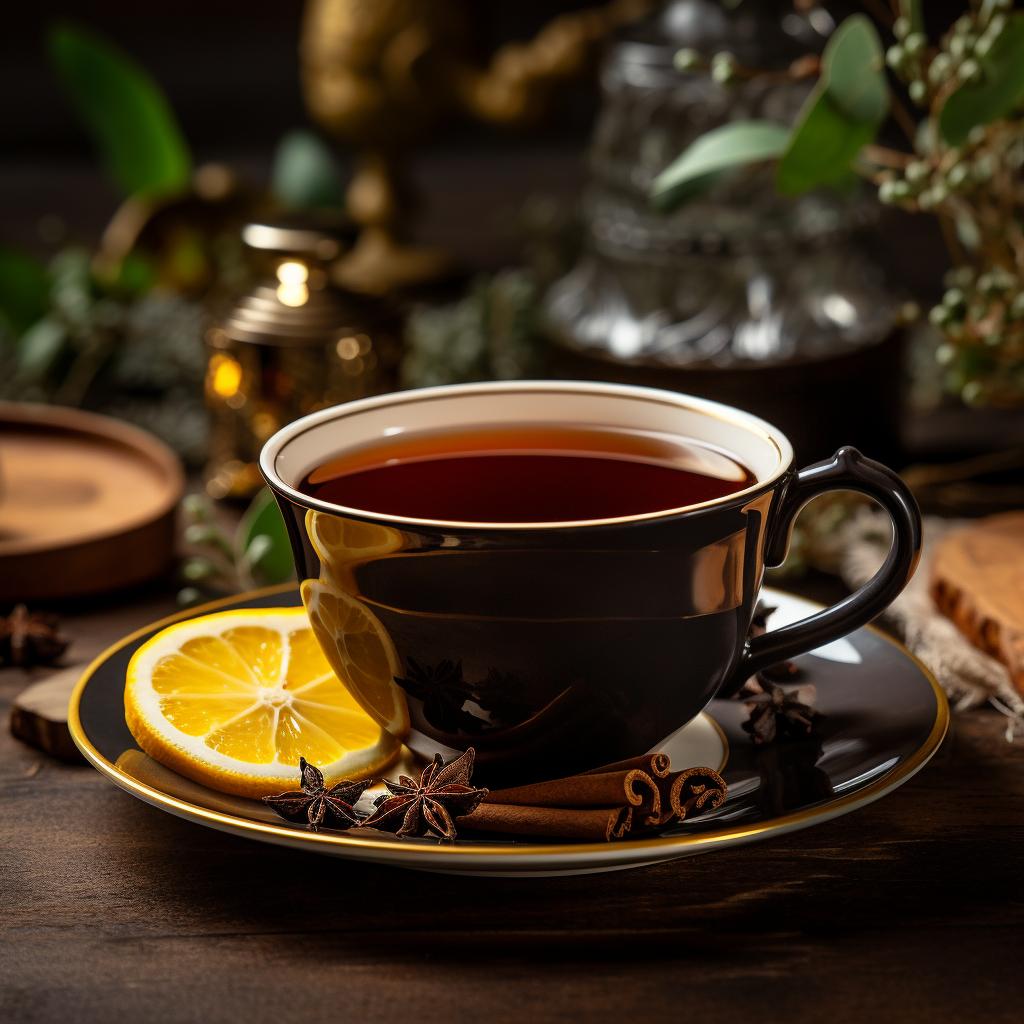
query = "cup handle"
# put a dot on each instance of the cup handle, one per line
(847, 470)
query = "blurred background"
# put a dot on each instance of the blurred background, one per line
(231, 73)
(215, 218)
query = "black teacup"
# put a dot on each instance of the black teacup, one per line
(552, 647)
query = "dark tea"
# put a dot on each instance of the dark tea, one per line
(528, 475)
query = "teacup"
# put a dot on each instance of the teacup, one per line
(555, 647)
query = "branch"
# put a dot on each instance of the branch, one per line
(880, 13)
(885, 157)
(904, 119)
(953, 246)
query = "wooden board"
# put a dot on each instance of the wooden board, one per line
(39, 714)
(978, 582)
(87, 503)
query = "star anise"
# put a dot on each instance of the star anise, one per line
(430, 806)
(30, 638)
(776, 713)
(317, 805)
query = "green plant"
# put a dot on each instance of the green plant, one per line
(257, 554)
(962, 163)
(118, 329)
(128, 117)
(489, 334)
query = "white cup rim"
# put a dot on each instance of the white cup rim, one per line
(277, 443)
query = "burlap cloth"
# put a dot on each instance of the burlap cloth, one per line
(970, 677)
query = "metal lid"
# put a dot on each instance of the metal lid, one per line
(323, 237)
(296, 305)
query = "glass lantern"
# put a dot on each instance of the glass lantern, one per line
(293, 344)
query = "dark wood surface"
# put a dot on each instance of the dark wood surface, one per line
(909, 910)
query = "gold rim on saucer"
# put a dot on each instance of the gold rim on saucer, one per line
(464, 854)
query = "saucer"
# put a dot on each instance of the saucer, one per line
(883, 717)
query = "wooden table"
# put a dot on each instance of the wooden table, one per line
(910, 910)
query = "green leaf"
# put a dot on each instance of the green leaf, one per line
(824, 145)
(996, 95)
(967, 231)
(262, 540)
(24, 289)
(853, 71)
(124, 110)
(731, 146)
(842, 114)
(136, 275)
(40, 347)
(305, 174)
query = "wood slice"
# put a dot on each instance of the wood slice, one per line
(978, 582)
(39, 714)
(87, 503)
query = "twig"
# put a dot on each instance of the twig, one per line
(1015, 237)
(904, 119)
(953, 246)
(878, 11)
(885, 157)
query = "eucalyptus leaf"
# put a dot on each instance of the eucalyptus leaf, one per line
(967, 232)
(725, 148)
(40, 347)
(24, 289)
(999, 91)
(136, 274)
(990, 8)
(262, 542)
(258, 553)
(824, 145)
(853, 71)
(305, 174)
(124, 110)
(198, 569)
(842, 114)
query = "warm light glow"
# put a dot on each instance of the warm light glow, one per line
(292, 290)
(292, 294)
(348, 347)
(264, 424)
(292, 272)
(225, 376)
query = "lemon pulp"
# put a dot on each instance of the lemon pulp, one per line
(234, 699)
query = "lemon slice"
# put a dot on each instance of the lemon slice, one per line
(343, 544)
(360, 651)
(234, 699)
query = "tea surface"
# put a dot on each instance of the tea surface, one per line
(528, 475)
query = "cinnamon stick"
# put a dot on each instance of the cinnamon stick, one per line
(630, 788)
(696, 790)
(592, 824)
(609, 802)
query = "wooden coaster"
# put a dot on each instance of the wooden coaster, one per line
(39, 714)
(978, 582)
(87, 503)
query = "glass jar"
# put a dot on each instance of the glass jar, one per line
(740, 294)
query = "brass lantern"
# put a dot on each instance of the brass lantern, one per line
(293, 344)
